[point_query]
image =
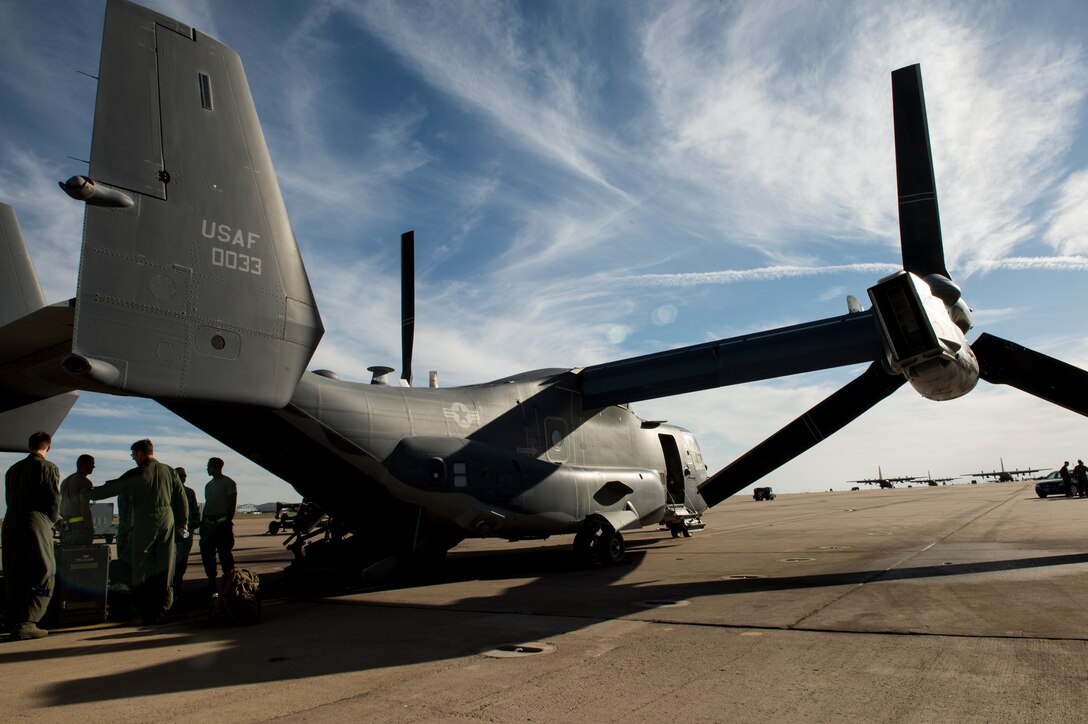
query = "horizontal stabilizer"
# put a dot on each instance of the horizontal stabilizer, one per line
(197, 289)
(17, 425)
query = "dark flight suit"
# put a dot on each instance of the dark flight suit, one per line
(1067, 480)
(32, 492)
(121, 569)
(157, 501)
(185, 545)
(1080, 474)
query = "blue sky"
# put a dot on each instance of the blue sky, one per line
(591, 181)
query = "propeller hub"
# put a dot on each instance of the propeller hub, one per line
(923, 337)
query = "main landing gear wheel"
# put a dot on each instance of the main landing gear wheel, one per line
(595, 543)
(611, 550)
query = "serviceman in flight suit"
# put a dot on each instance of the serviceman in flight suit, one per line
(32, 493)
(76, 526)
(158, 505)
(183, 540)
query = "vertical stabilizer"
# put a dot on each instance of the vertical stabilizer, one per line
(191, 284)
(20, 293)
(26, 405)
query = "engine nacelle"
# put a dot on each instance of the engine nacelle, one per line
(923, 336)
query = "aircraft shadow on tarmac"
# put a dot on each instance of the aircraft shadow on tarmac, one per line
(294, 641)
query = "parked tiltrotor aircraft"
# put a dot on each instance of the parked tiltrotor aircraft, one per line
(192, 292)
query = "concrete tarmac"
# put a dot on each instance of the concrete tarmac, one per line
(960, 603)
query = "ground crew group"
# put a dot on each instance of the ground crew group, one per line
(1079, 479)
(156, 512)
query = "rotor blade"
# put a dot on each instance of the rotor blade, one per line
(823, 420)
(407, 301)
(919, 220)
(833, 342)
(1006, 363)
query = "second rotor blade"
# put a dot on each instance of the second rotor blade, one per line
(1002, 362)
(823, 420)
(919, 219)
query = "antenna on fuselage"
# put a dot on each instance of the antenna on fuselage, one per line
(407, 302)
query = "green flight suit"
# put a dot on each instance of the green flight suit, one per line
(32, 492)
(185, 545)
(157, 503)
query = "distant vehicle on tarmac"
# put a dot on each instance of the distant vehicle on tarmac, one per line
(763, 494)
(285, 517)
(1052, 484)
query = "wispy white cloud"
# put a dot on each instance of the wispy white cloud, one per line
(798, 138)
(1050, 263)
(489, 58)
(1068, 228)
(771, 273)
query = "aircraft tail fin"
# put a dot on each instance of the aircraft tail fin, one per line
(20, 293)
(191, 283)
(25, 408)
(17, 425)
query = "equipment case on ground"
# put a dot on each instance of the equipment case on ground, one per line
(79, 590)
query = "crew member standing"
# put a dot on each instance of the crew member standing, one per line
(1067, 480)
(1080, 474)
(217, 525)
(32, 493)
(76, 525)
(158, 508)
(184, 541)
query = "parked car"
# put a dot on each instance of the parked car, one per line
(1052, 484)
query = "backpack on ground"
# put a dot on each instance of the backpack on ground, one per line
(237, 601)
